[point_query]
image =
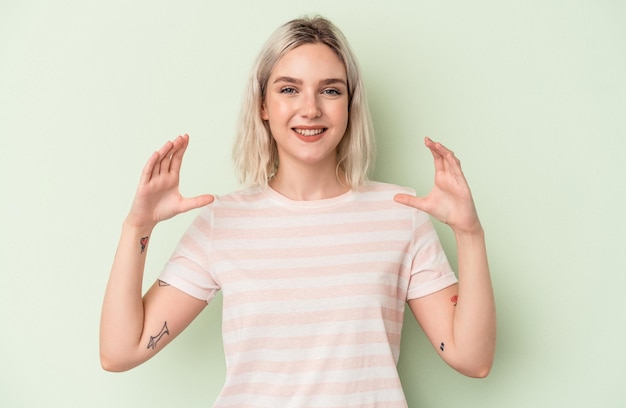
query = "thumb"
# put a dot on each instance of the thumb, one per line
(412, 201)
(191, 203)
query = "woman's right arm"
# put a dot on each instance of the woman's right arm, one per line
(133, 328)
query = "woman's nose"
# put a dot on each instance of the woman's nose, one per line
(310, 107)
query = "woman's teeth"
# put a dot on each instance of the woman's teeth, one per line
(309, 132)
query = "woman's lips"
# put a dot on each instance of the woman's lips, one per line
(309, 135)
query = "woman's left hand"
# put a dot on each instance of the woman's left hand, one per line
(450, 200)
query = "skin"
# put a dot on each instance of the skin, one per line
(304, 92)
(462, 316)
(307, 91)
(129, 321)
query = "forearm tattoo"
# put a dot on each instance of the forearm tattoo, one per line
(143, 242)
(155, 339)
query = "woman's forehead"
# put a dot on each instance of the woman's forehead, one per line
(309, 61)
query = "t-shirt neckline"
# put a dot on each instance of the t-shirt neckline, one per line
(307, 204)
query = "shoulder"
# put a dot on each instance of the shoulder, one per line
(236, 201)
(379, 195)
(382, 190)
(243, 197)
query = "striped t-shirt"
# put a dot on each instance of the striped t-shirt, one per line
(313, 292)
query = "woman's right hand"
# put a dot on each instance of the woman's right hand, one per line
(158, 197)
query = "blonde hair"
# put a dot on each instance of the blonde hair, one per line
(255, 153)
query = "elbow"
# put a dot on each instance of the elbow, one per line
(478, 372)
(476, 362)
(114, 364)
(116, 358)
(473, 367)
(111, 365)
(117, 355)
(477, 369)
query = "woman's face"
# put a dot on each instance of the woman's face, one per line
(306, 105)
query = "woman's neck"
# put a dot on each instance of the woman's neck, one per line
(307, 184)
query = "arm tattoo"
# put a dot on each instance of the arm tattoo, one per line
(454, 299)
(442, 346)
(155, 339)
(161, 283)
(143, 242)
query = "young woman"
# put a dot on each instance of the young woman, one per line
(315, 261)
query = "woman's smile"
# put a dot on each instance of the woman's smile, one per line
(306, 106)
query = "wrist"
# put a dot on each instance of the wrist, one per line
(137, 234)
(140, 229)
(470, 233)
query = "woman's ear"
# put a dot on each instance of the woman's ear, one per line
(264, 114)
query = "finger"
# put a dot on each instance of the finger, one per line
(156, 170)
(453, 165)
(437, 157)
(412, 201)
(166, 161)
(449, 161)
(438, 147)
(196, 202)
(146, 173)
(162, 154)
(177, 155)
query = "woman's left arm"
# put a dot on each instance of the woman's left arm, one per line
(460, 320)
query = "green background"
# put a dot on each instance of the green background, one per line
(531, 95)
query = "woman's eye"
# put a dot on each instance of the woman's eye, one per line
(288, 90)
(332, 91)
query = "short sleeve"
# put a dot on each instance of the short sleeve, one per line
(188, 267)
(430, 269)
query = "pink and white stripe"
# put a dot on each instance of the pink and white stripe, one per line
(313, 292)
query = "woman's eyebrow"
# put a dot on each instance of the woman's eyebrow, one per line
(289, 80)
(333, 81)
(329, 81)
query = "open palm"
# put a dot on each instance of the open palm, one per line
(158, 197)
(450, 201)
